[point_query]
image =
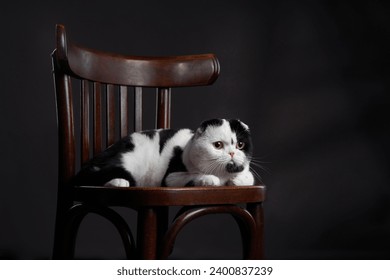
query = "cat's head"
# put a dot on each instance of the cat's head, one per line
(221, 147)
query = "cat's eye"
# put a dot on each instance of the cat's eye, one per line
(218, 145)
(240, 145)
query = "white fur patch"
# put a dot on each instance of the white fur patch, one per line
(145, 163)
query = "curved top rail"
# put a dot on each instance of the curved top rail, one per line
(106, 67)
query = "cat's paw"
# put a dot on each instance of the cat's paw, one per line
(117, 182)
(207, 180)
(244, 179)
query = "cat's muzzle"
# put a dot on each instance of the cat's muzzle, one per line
(232, 167)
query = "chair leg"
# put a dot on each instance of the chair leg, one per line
(58, 239)
(147, 234)
(67, 229)
(162, 224)
(67, 226)
(256, 210)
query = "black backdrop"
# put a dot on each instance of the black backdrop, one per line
(311, 79)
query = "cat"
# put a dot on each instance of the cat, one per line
(218, 153)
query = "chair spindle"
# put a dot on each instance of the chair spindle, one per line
(124, 111)
(97, 119)
(110, 132)
(85, 113)
(163, 110)
(137, 108)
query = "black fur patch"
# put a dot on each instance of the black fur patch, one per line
(90, 176)
(106, 166)
(149, 133)
(243, 135)
(165, 135)
(213, 122)
(112, 153)
(175, 165)
(190, 184)
(237, 127)
(125, 144)
(231, 167)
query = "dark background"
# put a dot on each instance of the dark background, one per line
(311, 79)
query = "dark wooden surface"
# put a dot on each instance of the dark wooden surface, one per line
(171, 196)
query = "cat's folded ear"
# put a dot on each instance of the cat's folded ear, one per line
(203, 126)
(199, 132)
(244, 125)
(213, 122)
(238, 125)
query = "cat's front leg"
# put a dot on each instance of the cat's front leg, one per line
(206, 180)
(176, 179)
(244, 178)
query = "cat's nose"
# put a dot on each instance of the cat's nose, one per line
(231, 154)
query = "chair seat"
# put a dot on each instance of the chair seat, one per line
(169, 196)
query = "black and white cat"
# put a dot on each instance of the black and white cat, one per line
(217, 153)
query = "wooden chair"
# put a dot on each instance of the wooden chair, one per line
(93, 90)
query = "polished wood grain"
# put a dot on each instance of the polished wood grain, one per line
(124, 111)
(171, 196)
(110, 68)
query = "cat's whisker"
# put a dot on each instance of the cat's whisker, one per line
(216, 166)
(262, 167)
(252, 158)
(260, 164)
(256, 175)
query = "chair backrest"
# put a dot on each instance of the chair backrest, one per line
(93, 90)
